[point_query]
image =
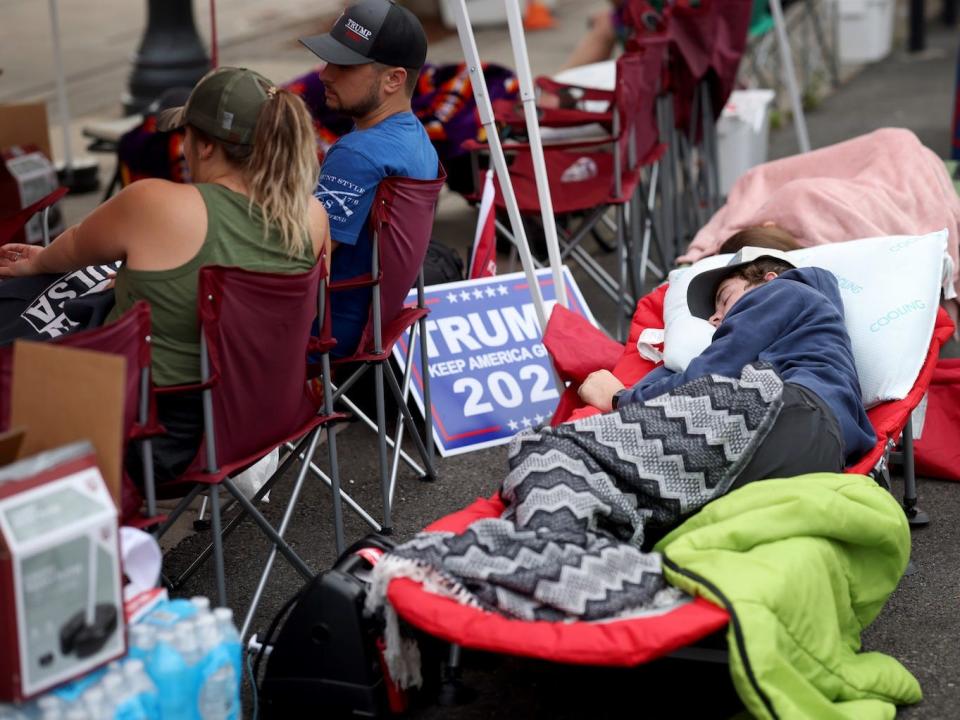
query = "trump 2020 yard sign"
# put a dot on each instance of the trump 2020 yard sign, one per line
(490, 375)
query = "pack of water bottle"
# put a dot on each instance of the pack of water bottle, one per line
(184, 662)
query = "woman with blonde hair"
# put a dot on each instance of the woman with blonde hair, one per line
(251, 151)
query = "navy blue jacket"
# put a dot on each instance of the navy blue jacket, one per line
(795, 323)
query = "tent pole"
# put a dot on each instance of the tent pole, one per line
(790, 75)
(61, 88)
(528, 96)
(485, 110)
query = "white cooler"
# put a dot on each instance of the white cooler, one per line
(742, 134)
(865, 29)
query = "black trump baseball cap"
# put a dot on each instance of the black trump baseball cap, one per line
(372, 31)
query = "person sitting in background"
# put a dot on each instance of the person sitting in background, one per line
(606, 29)
(767, 310)
(374, 53)
(250, 150)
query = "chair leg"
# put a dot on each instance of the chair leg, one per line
(177, 511)
(915, 516)
(382, 449)
(353, 504)
(218, 544)
(335, 490)
(239, 517)
(146, 455)
(281, 544)
(362, 417)
(287, 514)
(425, 374)
(622, 307)
(408, 420)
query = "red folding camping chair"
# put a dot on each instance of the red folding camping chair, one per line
(128, 337)
(255, 334)
(705, 42)
(11, 224)
(617, 643)
(589, 177)
(401, 222)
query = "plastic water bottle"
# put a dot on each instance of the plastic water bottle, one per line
(123, 698)
(172, 677)
(98, 703)
(12, 712)
(77, 713)
(201, 604)
(231, 641)
(50, 705)
(143, 640)
(217, 696)
(142, 688)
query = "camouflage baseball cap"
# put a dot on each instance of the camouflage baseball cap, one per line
(225, 104)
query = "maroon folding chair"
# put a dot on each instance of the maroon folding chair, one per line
(255, 336)
(704, 44)
(401, 222)
(587, 178)
(128, 337)
(11, 224)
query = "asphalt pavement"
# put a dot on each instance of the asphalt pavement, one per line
(920, 625)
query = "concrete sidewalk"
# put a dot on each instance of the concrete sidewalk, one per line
(99, 38)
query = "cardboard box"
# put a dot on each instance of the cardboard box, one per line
(61, 607)
(25, 124)
(26, 176)
(62, 394)
(24, 180)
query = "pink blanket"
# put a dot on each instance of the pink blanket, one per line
(883, 183)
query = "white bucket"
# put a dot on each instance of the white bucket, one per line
(865, 30)
(743, 131)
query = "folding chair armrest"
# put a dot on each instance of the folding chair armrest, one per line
(151, 429)
(10, 224)
(321, 345)
(190, 387)
(583, 93)
(515, 146)
(510, 113)
(359, 281)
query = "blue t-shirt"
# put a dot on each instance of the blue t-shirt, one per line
(349, 177)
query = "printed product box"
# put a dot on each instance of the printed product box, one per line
(27, 175)
(61, 608)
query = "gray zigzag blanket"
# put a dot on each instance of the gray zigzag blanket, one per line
(579, 498)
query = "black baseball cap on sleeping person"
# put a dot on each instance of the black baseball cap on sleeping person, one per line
(373, 31)
(702, 290)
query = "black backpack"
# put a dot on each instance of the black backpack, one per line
(442, 264)
(325, 661)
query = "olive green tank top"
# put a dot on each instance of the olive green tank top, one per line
(234, 238)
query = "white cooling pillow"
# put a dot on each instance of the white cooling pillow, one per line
(890, 288)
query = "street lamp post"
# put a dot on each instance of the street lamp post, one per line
(170, 54)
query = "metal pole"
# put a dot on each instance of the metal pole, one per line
(527, 96)
(170, 54)
(790, 75)
(458, 9)
(62, 107)
(918, 29)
